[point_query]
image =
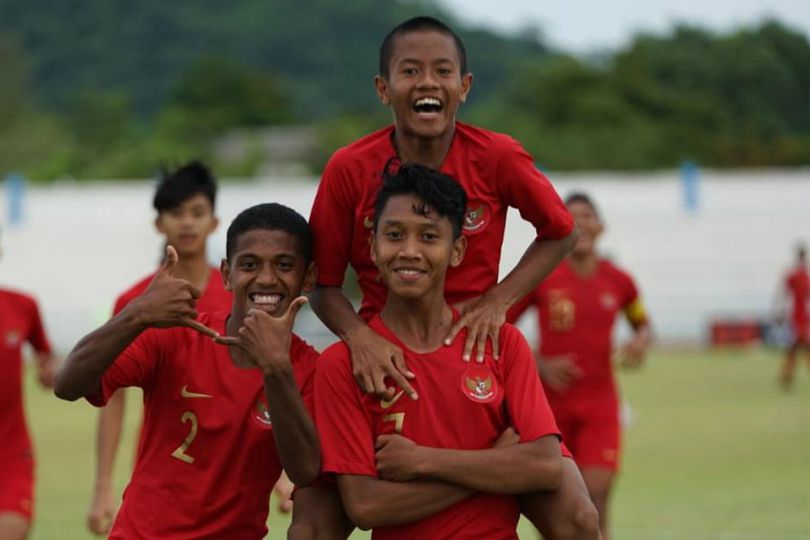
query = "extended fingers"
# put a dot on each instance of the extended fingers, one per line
(201, 328)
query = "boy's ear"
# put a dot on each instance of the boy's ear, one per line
(381, 86)
(159, 225)
(225, 270)
(466, 86)
(459, 249)
(310, 278)
(372, 252)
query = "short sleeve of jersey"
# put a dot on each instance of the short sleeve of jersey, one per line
(347, 439)
(630, 300)
(332, 220)
(525, 399)
(523, 187)
(36, 336)
(134, 367)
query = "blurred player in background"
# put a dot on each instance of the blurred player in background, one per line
(577, 307)
(796, 294)
(424, 78)
(184, 201)
(20, 323)
(219, 422)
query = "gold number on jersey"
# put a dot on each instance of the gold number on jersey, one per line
(180, 452)
(398, 418)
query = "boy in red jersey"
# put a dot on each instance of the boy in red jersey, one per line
(578, 304)
(19, 323)
(436, 473)
(423, 77)
(219, 422)
(797, 291)
(184, 201)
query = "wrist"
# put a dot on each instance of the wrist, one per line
(356, 332)
(423, 464)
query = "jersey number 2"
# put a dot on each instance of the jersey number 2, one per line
(180, 451)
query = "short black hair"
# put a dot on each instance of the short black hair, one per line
(438, 192)
(183, 183)
(582, 197)
(419, 24)
(271, 217)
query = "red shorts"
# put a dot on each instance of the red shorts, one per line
(17, 487)
(801, 330)
(591, 431)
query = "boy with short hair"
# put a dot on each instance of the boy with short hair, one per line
(219, 422)
(442, 468)
(185, 202)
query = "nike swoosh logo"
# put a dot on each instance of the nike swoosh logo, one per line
(186, 394)
(388, 403)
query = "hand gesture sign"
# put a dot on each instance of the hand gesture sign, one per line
(374, 359)
(170, 301)
(264, 339)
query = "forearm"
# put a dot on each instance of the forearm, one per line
(293, 429)
(540, 258)
(515, 469)
(371, 502)
(108, 437)
(336, 312)
(81, 371)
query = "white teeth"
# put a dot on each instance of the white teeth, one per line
(428, 101)
(265, 298)
(408, 271)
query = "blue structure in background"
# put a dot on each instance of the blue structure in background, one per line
(15, 198)
(690, 182)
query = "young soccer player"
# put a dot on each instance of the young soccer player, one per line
(219, 422)
(427, 468)
(184, 200)
(20, 323)
(578, 305)
(797, 291)
(423, 78)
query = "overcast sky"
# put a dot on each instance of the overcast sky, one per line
(584, 25)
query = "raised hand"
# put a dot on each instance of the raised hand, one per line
(396, 458)
(483, 318)
(264, 339)
(374, 359)
(168, 300)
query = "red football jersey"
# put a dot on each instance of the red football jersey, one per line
(576, 318)
(798, 285)
(461, 405)
(207, 462)
(19, 323)
(493, 168)
(214, 297)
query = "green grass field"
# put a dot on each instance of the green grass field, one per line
(714, 452)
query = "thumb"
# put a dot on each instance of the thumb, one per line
(295, 306)
(170, 262)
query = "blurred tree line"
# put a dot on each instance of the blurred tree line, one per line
(105, 89)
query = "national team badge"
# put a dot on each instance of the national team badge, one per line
(261, 413)
(476, 217)
(12, 338)
(479, 384)
(608, 301)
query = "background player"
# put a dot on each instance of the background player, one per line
(185, 201)
(435, 473)
(20, 323)
(216, 430)
(578, 304)
(797, 292)
(423, 78)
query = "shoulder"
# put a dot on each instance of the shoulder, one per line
(490, 141)
(360, 150)
(614, 272)
(18, 299)
(301, 351)
(511, 337)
